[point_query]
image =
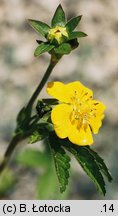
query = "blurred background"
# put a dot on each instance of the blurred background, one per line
(94, 63)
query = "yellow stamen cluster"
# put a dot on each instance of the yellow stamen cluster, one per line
(81, 110)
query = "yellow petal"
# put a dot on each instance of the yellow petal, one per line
(65, 92)
(78, 90)
(58, 91)
(99, 106)
(60, 117)
(80, 137)
(95, 124)
(96, 121)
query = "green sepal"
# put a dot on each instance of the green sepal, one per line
(63, 49)
(42, 132)
(40, 27)
(62, 162)
(59, 17)
(88, 163)
(72, 24)
(76, 34)
(101, 164)
(42, 48)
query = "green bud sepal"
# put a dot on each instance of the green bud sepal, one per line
(61, 38)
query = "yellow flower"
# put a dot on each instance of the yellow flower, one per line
(78, 115)
(57, 33)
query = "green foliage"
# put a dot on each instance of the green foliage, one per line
(59, 17)
(101, 164)
(7, 181)
(62, 162)
(43, 130)
(43, 107)
(88, 163)
(64, 48)
(42, 48)
(76, 34)
(39, 126)
(36, 136)
(21, 116)
(46, 187)
(72, 24)
(22, 119)
(40, 27)
(89, 160)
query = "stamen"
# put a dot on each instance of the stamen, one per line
(85, 94)
(80, 113)
(93, 109)
(76, 117)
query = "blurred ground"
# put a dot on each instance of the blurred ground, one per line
(95, 64)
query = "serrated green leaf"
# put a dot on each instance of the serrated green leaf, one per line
(59, 17)
(33, 158)
(61, 160)
(40, 27)
(101, 164)
(63, 49)
(42, 48)
(88, 163)
(72, 24)
(76, 34)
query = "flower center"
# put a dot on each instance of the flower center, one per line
(57, 34)
(81, 110)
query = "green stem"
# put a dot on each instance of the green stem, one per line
(19, 137)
